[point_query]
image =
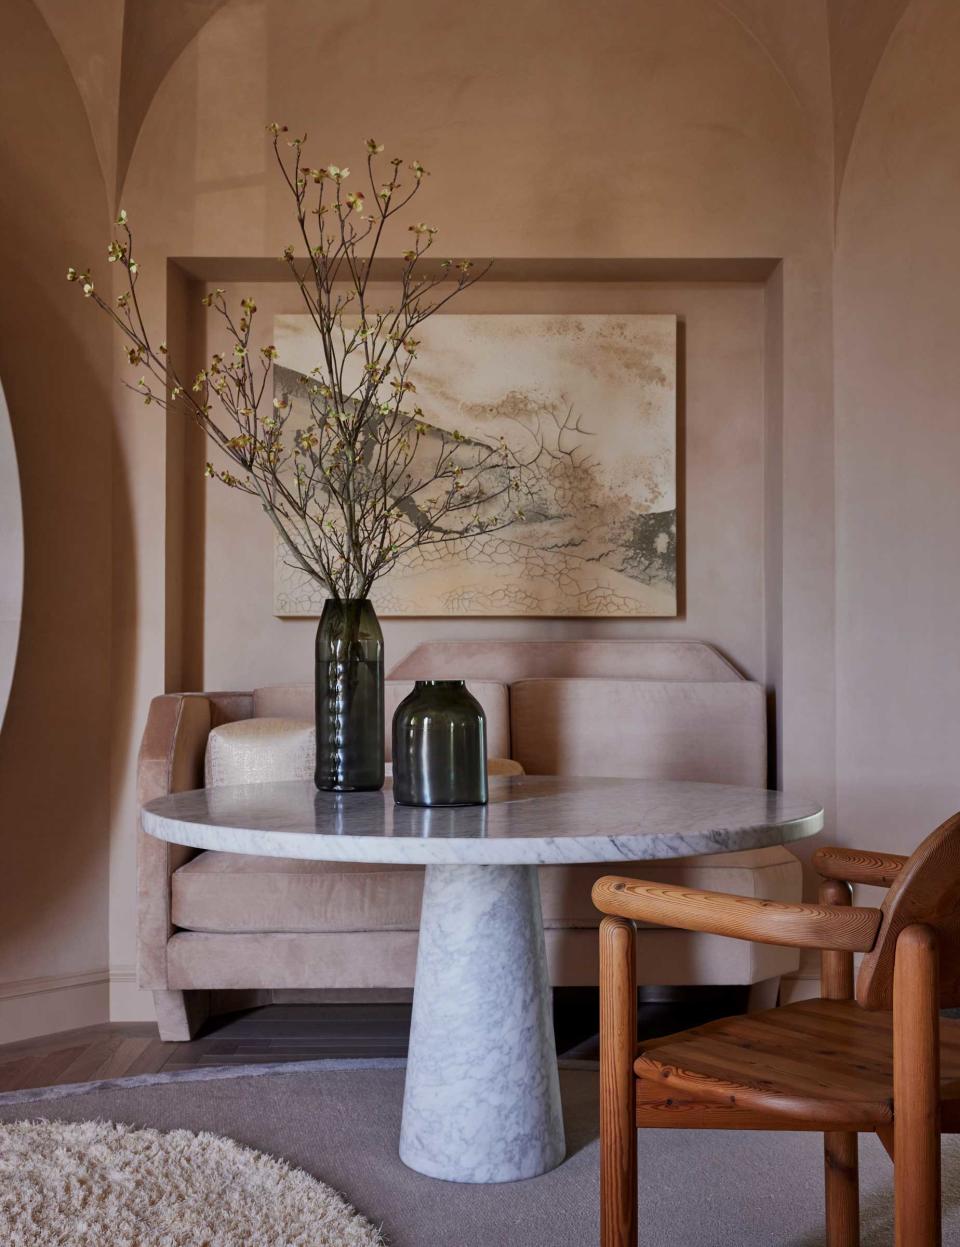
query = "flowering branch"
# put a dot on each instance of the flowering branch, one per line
(359, 477)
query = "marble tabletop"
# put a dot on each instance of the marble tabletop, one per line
(529, 820)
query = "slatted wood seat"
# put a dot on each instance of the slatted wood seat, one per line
(877, 1059)
(815, 1062)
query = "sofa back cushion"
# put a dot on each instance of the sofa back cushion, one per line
(296, 701)
(647, 729)
(519, 660)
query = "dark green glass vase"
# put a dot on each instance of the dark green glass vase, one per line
(440, 746)
(349, 677)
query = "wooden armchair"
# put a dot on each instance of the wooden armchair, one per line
(878, 1058)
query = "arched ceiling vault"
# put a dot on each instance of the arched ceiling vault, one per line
(120, 51)
(90, 38)
(154, 35)
(781, 32)
(856, 36)
(860, 31)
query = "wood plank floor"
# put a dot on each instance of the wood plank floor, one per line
(273, 1033)
(301, 1032)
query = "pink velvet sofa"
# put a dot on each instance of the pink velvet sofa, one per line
(211, 923)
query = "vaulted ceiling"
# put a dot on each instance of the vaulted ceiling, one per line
(120, 51)
(859, 31)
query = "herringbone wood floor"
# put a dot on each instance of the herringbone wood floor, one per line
(273, 1033)
(302, 1033)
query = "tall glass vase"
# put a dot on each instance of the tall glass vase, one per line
(349, 680)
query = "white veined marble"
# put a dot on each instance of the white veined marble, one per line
(529, 820)
(482, 1095)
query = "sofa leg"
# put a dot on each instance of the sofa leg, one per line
(763, 995)
(180, 1014)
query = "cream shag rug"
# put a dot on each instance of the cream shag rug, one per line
(84, 1183)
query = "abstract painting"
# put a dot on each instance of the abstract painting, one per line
(598, 537)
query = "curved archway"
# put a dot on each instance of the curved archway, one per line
(11, 556)
(898, 438)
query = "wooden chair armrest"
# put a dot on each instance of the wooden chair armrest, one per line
(859, 866)
(846, 929)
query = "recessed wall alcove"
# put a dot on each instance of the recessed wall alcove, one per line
(221, 631)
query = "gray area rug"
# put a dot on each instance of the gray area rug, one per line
(340, 1121)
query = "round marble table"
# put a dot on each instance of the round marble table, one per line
(482, 1098)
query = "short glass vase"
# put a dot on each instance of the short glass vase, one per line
(440, 746)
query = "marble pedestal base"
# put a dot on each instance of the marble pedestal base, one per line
(482, 1098)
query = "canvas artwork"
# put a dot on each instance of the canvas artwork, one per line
(598, 535)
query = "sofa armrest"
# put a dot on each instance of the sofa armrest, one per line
(170, 760)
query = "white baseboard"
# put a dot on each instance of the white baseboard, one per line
(128, 1002)
(52, 1003)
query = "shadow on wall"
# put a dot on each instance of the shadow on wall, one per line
(55, 742)
(56, 366)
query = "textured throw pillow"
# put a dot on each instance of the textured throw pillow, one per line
(260, 751)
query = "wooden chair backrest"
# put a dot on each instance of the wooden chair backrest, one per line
(927, 891)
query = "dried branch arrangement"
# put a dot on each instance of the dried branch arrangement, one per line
(349, 470)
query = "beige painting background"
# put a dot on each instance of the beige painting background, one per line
(599, 537)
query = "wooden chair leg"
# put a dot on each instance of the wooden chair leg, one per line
(840, 1155)
(618, 1113)
(842, 1180)
(916, 1089)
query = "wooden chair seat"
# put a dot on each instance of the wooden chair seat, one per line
(817, 1061)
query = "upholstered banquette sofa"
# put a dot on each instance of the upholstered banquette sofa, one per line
(218, 922)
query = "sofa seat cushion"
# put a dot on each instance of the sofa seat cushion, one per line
(233, 892)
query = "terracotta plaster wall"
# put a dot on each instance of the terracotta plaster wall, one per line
(588, 129)
(595, 128)
(898, 443)
(55, 361)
